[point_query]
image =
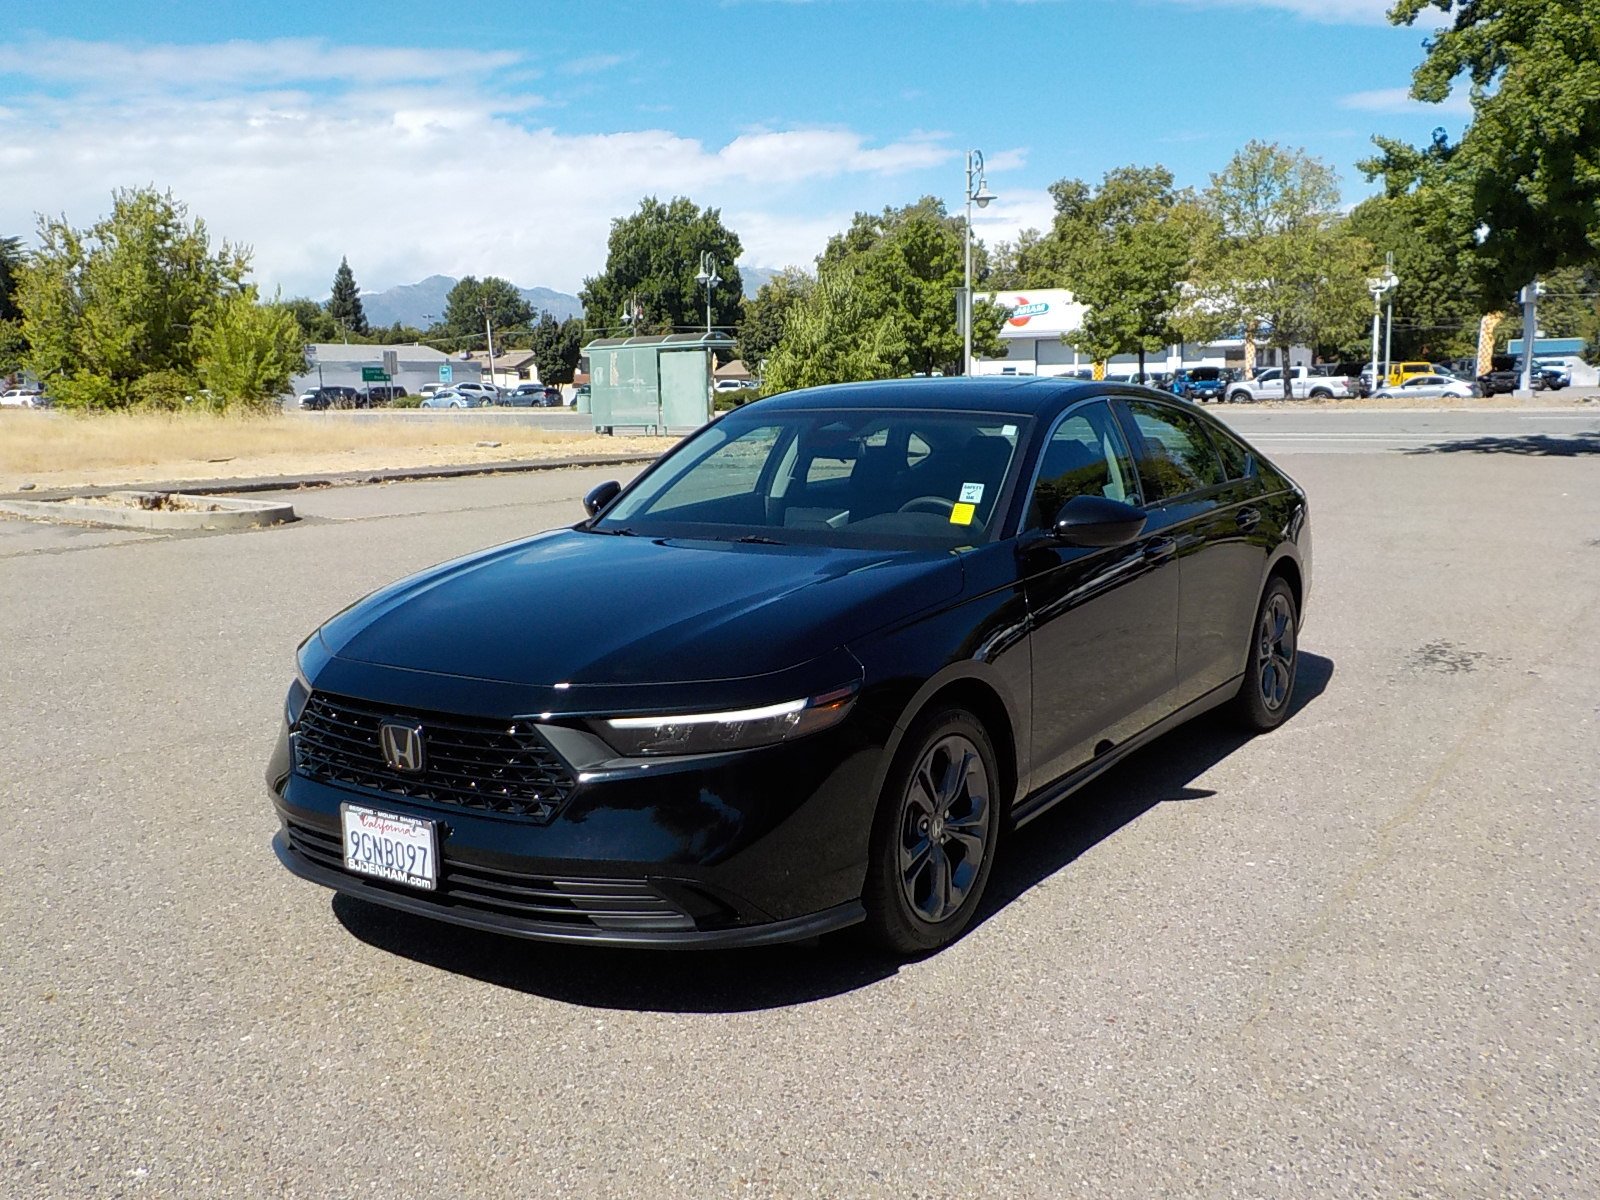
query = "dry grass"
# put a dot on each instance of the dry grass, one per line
(60, 450)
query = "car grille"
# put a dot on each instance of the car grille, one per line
(478, 764)
(601, 904)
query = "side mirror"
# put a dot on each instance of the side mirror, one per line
(601, 496)
(1094, 521)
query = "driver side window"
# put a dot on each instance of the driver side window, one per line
(1086, 456)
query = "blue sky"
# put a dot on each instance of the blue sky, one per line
(503, 137)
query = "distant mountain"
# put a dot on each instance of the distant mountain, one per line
(755, 278)
(421, 304)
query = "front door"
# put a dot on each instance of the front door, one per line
(1104, 620)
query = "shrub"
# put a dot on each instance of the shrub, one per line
(164, 391)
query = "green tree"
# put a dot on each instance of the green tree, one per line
(1125, 250)
(104, 306)
(837, 334)
(344, 305)
(1435, 306)
(908, 263)
(315, 322)
(1280, 266)
(557, 346)
(471, 300)
(1525, 177)
(246, 352)
(652, 258)
(12, 344)
(765, 315)
(1015, 266)
(11, 260)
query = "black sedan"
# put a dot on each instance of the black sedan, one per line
(810, 669)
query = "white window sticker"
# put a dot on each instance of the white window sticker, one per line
(972, 493)
(1008, 431)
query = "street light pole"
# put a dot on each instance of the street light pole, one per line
(981, 197)
(709, 278)
(1378, 286)
(1388, 327)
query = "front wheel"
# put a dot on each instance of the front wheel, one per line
(1269, 675)
(934, 835)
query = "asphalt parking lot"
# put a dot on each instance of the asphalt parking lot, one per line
(1356, 957)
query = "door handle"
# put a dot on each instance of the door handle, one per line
(1160, 548)
(1248, 518)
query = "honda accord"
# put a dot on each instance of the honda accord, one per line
(809, 670)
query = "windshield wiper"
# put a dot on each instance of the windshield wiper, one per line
(620, 531)
(756, 539)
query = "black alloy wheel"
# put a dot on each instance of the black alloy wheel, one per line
(1268, 686)
(934, 837)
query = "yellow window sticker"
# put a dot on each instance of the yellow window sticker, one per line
(962, 514)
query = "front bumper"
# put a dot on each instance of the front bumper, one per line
(739, 849)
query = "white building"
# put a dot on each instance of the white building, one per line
(336, 364)
(1039, 318)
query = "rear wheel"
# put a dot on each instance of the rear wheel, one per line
(1268, 685)
(934, 835)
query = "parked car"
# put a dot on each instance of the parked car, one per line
(729, 385)
(486, 392)
(429, 389)
(1303, 382)
(533, 395)
(383, 393)
(23, 397)
(452, 398)
(1421, 387)
(885, 622)
(331, 396)
(1506, 377)
(1201, 384)
(1557, 375)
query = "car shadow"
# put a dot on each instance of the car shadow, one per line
(1538, 444)
(725, 981)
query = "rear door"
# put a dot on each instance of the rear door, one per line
(1104, 621)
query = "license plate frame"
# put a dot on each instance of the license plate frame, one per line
(389, 846)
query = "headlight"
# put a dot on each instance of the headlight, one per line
(742, 729)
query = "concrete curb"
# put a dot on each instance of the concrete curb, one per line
(222, 513)
(289, 483)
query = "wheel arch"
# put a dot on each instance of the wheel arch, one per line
(965, 686)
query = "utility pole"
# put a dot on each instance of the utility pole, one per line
(488, 331)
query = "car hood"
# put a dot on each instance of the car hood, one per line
(594, 609)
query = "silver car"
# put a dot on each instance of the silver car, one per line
(450, 398)
(1428, 387)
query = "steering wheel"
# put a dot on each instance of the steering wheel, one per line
(937, 505)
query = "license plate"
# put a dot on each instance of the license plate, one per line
(387, 846)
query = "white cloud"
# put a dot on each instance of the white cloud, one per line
(1326, 12)
(1398, 100)
(407, 173)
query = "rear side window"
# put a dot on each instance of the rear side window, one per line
(1237, 462)
(1174, 454)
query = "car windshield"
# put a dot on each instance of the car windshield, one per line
(868, 478)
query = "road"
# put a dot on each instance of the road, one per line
(1356, 957)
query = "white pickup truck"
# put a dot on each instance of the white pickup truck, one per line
(1268, 385)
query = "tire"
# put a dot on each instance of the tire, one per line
(934, 835)
(1322, 394)
(1267, 691)
(1240, 397)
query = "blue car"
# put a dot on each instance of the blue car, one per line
(1201, 384)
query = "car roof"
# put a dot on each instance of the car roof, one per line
(1024, 394)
